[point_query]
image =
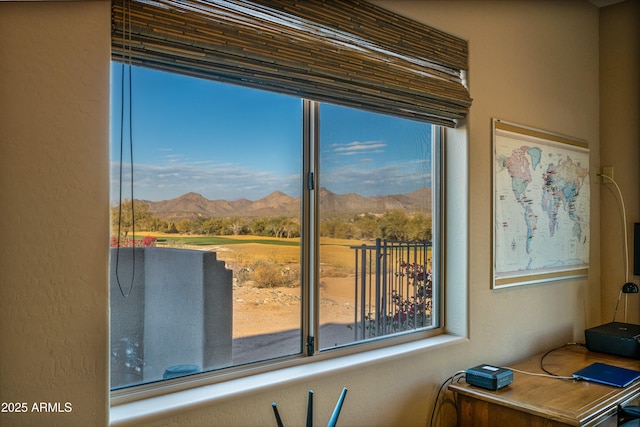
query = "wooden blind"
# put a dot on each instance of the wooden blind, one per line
(345, 52)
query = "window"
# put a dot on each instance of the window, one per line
(375, 223)
(209, 271)
(276, 183)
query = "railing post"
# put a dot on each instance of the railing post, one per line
(363, 300)
(355, 308)
(409, 284)
(384, 300)
(378, 296)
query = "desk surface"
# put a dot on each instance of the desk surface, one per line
(569, 402)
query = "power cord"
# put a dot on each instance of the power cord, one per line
(460, 374)
(455, 377)
(126, 10)
(555, 349)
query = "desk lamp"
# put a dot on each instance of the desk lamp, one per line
(628, 287)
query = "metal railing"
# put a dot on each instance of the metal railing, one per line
(393, 287)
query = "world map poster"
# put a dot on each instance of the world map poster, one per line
(541, 206)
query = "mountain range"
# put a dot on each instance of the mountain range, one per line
(192, 205)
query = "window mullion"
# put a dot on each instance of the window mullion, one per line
(310, 234)
(437, 200)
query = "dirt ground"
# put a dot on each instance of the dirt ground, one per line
(266, 322)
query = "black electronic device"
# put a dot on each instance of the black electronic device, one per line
(621, 339)
(489, 377)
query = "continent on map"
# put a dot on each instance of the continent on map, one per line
(536, 155)
(562, 184)
(519, 167)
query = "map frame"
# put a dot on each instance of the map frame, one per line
(515, 135)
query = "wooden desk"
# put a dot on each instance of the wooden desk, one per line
(532, 401)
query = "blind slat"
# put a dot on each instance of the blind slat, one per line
(349, 53)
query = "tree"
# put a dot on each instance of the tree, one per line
(184, 226)
(258, 226)
(128, 213)
(367, 226)
(290, 228)
(213, 226)
(393, 225)
(419, 228)
(234, 226)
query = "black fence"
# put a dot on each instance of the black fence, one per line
(393, 287)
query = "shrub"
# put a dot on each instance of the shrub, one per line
(269, 275)
(414, 311)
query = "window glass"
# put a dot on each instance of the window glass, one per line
(375, 225)
(206, 264)
(215, 277)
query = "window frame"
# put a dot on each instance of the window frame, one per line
(311, 308)
(310, 282)
(452, 277)
(170, 397)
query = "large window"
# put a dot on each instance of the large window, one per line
(276, 182)
(249, 226)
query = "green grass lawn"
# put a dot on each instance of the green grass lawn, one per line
(238, 240)
(219, 240)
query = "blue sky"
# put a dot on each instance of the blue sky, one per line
(228, 142)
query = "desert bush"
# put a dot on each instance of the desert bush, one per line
(333, 271)
(269, 275)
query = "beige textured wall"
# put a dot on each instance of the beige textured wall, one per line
(532, 62)
(54, 128)
(620, 148)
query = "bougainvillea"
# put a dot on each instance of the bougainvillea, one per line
(146, 241)
(413, 311)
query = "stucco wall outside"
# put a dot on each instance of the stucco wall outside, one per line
(169, 307)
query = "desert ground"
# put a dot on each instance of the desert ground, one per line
(266, 321)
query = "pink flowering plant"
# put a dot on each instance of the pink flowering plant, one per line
(414, 311)
(125, 242)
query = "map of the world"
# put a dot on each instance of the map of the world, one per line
(541, 203)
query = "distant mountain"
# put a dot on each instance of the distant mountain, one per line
(192, 205)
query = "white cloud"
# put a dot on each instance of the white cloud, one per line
(358, 147)
(222, 181)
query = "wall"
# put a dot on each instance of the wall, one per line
(531, 62)
(521, 54)
(54, 128)
(145, 341)
(620, 148)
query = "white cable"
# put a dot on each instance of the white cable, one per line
(624, 218)
(626, 246)
(558, 377)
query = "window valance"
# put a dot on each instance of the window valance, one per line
(345, 52)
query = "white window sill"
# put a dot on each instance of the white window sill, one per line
(148, 409)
